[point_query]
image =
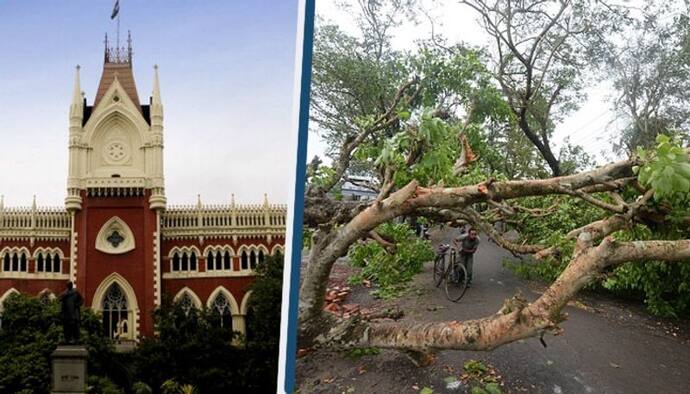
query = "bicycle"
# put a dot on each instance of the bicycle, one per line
(454, 273)
(440, 263)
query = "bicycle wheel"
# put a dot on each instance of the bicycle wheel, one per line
(439, 269)
(456, 282)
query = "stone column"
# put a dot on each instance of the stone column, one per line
(238, 324)
(69, 369)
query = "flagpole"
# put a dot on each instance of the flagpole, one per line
(118, 29)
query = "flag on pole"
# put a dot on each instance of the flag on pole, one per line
(116, 9)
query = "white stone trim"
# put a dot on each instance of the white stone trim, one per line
(15, 249)
(48, 251)
(221, 248)
(251, 248)
(182, 250)
(19, 251)
(34, 276)
(234, 308)
(208, 274)
(215, 249)
(73, 256)
(115, 224)
(278, 247)
(157, 260)
(195, 298)
(245, 302)
(6, 295)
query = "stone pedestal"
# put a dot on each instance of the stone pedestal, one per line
(69, 369)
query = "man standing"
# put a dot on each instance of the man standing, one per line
(70, 302)
(467, 244)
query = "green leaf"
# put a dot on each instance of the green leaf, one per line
(493, 388)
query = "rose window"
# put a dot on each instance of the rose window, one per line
(116, 151)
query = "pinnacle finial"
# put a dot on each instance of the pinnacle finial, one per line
(156, 94)
(265, 199)
(232, 199)
(77, 99)
(33, 204)
(198, 200)
(129, 46)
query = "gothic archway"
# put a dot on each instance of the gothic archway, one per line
(115, 312)
(116, 301)
(222, 311)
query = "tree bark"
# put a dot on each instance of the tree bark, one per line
(517, 319)
(407, 201)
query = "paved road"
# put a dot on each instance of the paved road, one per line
(607, 346)
(605, 349)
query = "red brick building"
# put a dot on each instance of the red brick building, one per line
(116, 238)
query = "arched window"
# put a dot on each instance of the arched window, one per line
(40, 267)
(185, 262)
(227, 261)
(15, 262)
(186, 302)
(192, 262)
(261, 256)
(245, 260)
(209, 261)
(115, 312)
(252, 260)
(221, 309)
(176, 262)
(48, 262)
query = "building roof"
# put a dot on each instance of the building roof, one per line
(124, 74)
(118, 63)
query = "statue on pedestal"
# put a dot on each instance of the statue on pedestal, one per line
(70, 304)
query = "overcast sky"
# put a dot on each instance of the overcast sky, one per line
(590, 126)
(226, 72)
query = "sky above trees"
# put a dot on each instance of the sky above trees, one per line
(592, 126)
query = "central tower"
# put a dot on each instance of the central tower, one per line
(116, 142)
(116, 193)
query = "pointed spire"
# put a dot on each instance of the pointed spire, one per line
(156, 103)
(156, 94)
(77, 107)
(107, 55)
(76, 91)
(198, 201)
(2, 202)
(129, 46)
(232, 200)
(265, 200)
(33, 204)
